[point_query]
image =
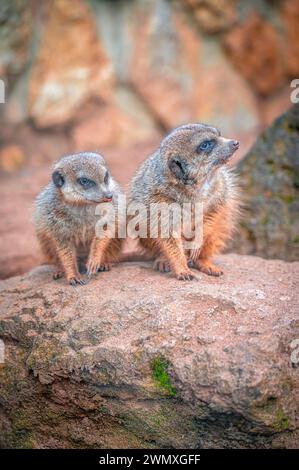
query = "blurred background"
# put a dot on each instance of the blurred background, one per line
(115, 76)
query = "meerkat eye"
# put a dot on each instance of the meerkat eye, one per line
(206, 145)
(106, 177)
(85, 182)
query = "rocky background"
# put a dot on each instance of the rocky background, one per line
(269, 178)
(203, 364)
(95, 74)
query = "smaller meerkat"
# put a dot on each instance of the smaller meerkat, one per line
(189, 167)
(65, 217)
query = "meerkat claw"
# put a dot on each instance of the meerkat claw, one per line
(92, 268)
(58, 275)
(74, 281)
(90, 273)
(162, 266)
(209, 269)
(185, 276)
(104, 267)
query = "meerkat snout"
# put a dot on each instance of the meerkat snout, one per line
(107, 197)
(227, 147)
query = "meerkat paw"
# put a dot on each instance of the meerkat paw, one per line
(185, 276)
(208, 268)
(104, 267)
(93, 266)
(58, 275)
(74, 281)
(162, 265)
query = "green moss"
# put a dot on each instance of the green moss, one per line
(281, 422)
(161, 424)
(21, 433)
(296, 240)
(270, 166)
(161, 377)
(271, 413)
(21, 439)
(288, 199)
(265, 220)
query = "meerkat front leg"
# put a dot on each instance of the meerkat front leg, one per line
(68, 261)
(172, 249)
(203, 263)
(96, 260)
(206, 266)
(215, 234)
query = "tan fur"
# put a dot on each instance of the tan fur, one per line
(65, 217)
(179, 172)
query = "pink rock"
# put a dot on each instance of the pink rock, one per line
(61, 82)
(225, 345)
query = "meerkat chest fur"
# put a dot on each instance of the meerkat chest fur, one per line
(82, 223)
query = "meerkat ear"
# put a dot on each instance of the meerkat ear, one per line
(58, 179)
(178, 167)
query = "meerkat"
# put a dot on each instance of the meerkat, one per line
(190, 166)
(65, 216)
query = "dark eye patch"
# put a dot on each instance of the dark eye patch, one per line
(58, 179)
(178, 167)
(206, 146)
(86, 183)
(181, 170)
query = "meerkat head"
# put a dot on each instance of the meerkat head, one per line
(83, 178)
(194, 151)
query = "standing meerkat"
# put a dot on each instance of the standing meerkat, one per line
(190, 166)
(65, 217)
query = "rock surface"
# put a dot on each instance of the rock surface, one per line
(15, 37)
(258, 59)
(214, 16)
(202, 364)
(128, 71)
(60, 83)
(290, 14)
(270, 177)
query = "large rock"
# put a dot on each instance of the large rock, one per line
(290, 15)
(138, 359)
(88, 74)
(213, 16)
(182, 76)
(61, 82)
(118, 124)
(270, 177)
(15, 37)
(255, 50)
